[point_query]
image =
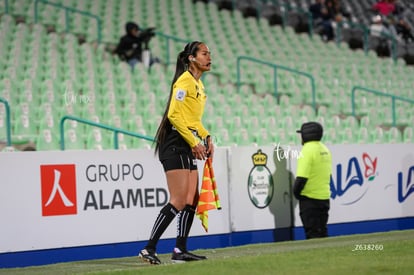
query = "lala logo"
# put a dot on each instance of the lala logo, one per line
(58, 183)
(354, 187)
(404, 190)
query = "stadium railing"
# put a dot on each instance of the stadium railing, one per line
(365, 30)
(286, 8)
(275, 68)
(379, 93)
(365, 35)
(393, 39)
(168, 40)
(68, 11)
(115, 130)
(8, 125)
(6, 6)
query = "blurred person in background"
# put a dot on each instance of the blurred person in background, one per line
(384, 7)
(133, 46)
(312, 183)
(322, 19)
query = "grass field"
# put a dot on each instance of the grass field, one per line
(379, 253)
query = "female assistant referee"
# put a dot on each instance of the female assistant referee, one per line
(181, 139)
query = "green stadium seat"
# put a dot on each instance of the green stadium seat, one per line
(393, 135)
(48, 121)
(363, 136)
(139, 143)
(95, 140)
(350, 122)
(321, 119)
(331, 136)
(243, 137)
(3, 128)
(47, 140)
(24, 127)
(223, 137)
(334, 122)
(408, 134)
(365, 121)
(73, 141)
(378, 136)
(263, 137)
(347, 135)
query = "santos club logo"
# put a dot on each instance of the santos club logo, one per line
(58, 189)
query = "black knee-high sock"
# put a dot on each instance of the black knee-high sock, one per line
(184, 222)
(166, 215)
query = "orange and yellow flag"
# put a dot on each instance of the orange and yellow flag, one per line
(209, 198)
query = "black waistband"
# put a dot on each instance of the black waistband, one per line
(194, 132)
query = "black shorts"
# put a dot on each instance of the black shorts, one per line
(175, 153)
(180, 161)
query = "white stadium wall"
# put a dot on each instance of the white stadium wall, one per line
(76, 205)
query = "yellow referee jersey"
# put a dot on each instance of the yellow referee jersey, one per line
(187, 107)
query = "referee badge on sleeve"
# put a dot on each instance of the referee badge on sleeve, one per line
(180, 95)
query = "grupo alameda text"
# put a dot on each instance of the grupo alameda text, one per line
(120, 198)
(147, 197)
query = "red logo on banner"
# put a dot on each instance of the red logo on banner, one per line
(58, 189)
(370, 166)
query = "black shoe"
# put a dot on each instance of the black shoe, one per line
(200, 257)
(181, 257)
(149, 256)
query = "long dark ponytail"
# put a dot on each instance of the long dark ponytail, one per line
(181, 66)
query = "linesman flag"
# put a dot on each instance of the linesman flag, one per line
(209, 198)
